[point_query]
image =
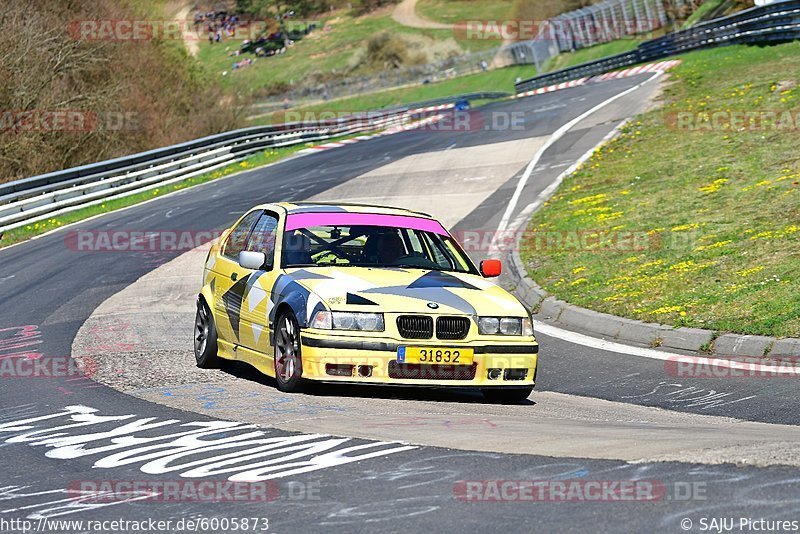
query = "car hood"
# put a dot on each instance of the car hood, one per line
(396, 290)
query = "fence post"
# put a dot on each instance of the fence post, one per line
(662, 12)
(637, 15)
(625, 15)
(649, 14)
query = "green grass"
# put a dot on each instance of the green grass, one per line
(453, 11)
(325, 52)
(259, 159)
(493, 80)
(570, 59)
(717, 211)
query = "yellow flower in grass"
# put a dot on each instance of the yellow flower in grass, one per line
(665, 309)
(650, 264)
(718, 244)
(733, 288)
(577, 270)
(578, 282)
(683, 227)
(590, 200)
(683, 266)
(714, 186)
(766, 234)
(608, 216)
(622, 278)
(747, 272)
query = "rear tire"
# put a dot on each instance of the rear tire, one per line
(507, 396)
(288, 360)
(205, 338)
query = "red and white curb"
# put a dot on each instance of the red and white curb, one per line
(651, 67)
(551, 88)
(428, 109)
(633, 71)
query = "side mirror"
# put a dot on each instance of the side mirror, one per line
(252, 260)
(491, 268)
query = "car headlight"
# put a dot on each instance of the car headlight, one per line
(505, 326)
(368, 322)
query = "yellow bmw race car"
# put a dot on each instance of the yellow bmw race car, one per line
(360, 294)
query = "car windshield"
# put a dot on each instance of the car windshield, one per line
(373, 246)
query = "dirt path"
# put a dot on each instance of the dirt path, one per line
(189, 36)
(406, 14)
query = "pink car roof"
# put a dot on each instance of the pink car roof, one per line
(307, 220)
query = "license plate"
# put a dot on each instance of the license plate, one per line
(435, 355)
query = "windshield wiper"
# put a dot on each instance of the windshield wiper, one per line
(411, 266)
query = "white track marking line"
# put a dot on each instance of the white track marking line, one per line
(612, 346)
(555, 136)
(528, 210)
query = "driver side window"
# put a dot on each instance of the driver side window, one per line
(262, 238)
(237, 239)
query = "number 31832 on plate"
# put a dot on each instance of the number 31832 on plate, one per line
(435, 355)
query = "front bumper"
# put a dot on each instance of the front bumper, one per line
(374, 361)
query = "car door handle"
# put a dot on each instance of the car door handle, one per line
(234, 276)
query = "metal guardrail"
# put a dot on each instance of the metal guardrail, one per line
(40, 197)
(600, 22)
(777, 22)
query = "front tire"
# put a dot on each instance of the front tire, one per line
(205, 338)
(507, 396)
(288, 359)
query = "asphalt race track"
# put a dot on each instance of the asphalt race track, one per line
(57, 433)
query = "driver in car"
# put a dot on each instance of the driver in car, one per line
(390, 248)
